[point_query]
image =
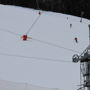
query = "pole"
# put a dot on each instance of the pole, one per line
(89, 33)
(37, 4)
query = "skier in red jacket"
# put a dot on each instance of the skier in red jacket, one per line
(25, 37)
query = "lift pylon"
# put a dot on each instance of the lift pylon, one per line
(84, 59)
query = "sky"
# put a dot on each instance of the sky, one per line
(52, 38)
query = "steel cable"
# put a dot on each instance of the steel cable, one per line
(48, 43)
(35, 58)
(33, 24)
(55, 45)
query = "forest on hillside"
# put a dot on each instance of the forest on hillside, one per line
(73, 7)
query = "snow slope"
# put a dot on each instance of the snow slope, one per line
(7, 85)
(51, 27)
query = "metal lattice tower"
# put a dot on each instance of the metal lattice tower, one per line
(84, 59)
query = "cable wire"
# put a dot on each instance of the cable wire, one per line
(35, 19)
(35, 58)
(6, 30)
(44, 42)
(48, 43)
(33, 25)
(54, 45)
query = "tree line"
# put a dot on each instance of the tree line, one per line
(73, 7)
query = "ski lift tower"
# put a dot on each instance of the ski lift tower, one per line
(84, 59)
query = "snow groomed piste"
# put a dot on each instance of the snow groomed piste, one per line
(8, 85)
(41, 37)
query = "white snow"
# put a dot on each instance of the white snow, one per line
(7, 85)
(51, 27)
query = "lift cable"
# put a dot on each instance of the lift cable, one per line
(9, 31)
(33, 24)
(48, 43)
(55, 45)
(35, 58)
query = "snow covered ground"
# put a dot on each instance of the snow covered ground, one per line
(7, 85)
(52, 29)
